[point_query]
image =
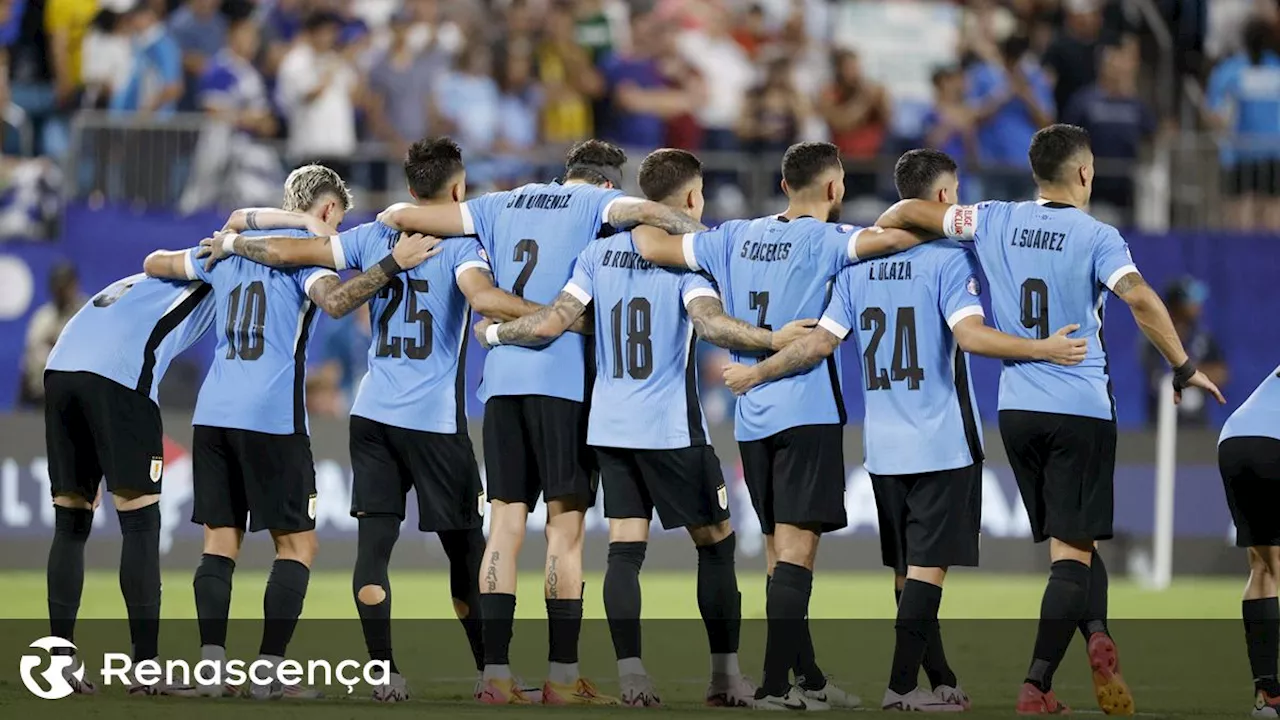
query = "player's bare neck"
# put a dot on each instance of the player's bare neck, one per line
(1058, 195)
(798, 209)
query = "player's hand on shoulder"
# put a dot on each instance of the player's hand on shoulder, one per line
(739, 378)
(413, 249)
(792, 332)
(388, 217)
(480, 329)
(213, 249)
(1203, 382)
(1061, 349)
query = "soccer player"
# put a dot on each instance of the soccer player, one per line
(408, 423)
(1048, 263)
(646, 424)
(771, 271)
(1249, 458)
(914, 317)
(251, 452)
(535, 416)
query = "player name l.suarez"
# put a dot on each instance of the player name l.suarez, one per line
(1038, 239)
(765, 252)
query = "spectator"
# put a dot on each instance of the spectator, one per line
(45, 63)
(66, 23)
(45, 327)
(401, 82)
(949, 125)
(281, 25)
(716, 56)
(857, 113)
(775, 112)
(1244, 104)
(154, 83)
(751, 32)
(1185, 299)
(1118, 121)
(231, 88)
(1072, 57)
(1012, 99)
(316, 89)
(518, 118)
(569, 80)
(469, 104)
(108, 59)
(600, 27)
(200, 31)
(428, 30)
(640, 99)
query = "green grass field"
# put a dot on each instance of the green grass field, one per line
(1182, 649)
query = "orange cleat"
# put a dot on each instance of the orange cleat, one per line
(1108, 685)
(501, 691)
(1031, 701)
(582, 692)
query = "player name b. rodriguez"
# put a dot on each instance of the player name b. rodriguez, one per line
(626, 260)
(1038, 239)
(765, 252)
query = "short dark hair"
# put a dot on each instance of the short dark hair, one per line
(917, 170)
(319, 19)
(1052, 147)
(665, 171)
(430, 163)
(804, 162)
(598, 153)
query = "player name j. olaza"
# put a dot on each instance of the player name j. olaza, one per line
(889, 270)
(1038, 239)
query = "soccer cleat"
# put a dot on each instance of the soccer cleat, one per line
(394, 690)
(79, 686)
(795, 700)
(1031, 701)
(273, 690)
(917, 701)
(1108, 685)
(163, 689)
(731, 691)
(831, 695)
(582, 692)
(301, 692)
(1265, 706)
(502, 691)
(953, 695)
(638, 691)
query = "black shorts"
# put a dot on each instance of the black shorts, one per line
(95, 427)
(1251, 476)
(1065, 466)
(930, 519)
(796, 477)
(686, 485)
(537, 445)
(238, 473)
(1257, 177)
(389, 461)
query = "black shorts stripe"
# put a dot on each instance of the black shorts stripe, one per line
(300, 372)
(167, 324)
(692, 404)
(966, 407)
(460, 379)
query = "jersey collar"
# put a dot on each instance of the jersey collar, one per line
(783, 218)
(1052, 204)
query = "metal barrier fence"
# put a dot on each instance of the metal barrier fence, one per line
(1185, 181)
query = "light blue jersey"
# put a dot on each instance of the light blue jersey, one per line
(533, 235)
(132, 329)
(1259, 416)
(646, 390)
(1048, 265)
(771, 271)
(900, 310)
(258, 377)
(420, 327)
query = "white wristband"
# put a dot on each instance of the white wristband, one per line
(491, 335)
(229, 244)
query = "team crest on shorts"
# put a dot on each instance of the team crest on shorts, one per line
(157, 469)
(480, 501)
(311, 507)
(722, 497)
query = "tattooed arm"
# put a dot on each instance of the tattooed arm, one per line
(273, 219)
(627, 212)
(796, 358)
(537, 329)
(286, 251)
(338, 298)
(716, 327)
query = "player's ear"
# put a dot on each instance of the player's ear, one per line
(831, 191)
(689, 203)
(786, 190)
(457, 192)
(413, 194)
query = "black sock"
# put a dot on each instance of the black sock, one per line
(1066, 599)
(1262, 633)
(897, 596)
(917, 623)
(622, 596)
(497, 619)
(935, 657)
(65, 572)
(282, 605)
(785, 608)
(465, 550)
(375, 540)
(564, 625)
(719, 601)
(213, 597)
(1095, 618)
(140, 578)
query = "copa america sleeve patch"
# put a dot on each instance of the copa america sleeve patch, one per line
(960, 222)
(973, 286)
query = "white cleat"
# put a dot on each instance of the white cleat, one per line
(794, 700)
(393, 691)
(638, 691)
(219, 691)
(735, 691)
(917, 701)
(273, 690)
(833, 696)
(301, 692)
(953, 695)
(165, 689)
(79, 686)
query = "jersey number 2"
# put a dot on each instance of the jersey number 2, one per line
(527, 253)
(244, 338)
(906, 359)
(414, 348)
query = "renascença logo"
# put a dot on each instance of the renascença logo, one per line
(55, 676)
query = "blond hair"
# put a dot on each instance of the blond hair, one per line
(308, 184)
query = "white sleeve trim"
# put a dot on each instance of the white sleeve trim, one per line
(604, 214)
(468, 265)
(577, 292)
(853, 245)
(189, 266)
(339, 254)
(696, 293)
(961, 222)
(964, 312)
(468, 223)
(690, 257)
(1115, 276)
(314, 277)
(833, 327)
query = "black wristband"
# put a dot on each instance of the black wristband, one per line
(389, 265)
(1182, 374)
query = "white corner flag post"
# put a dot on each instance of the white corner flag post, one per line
(1166, 470)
